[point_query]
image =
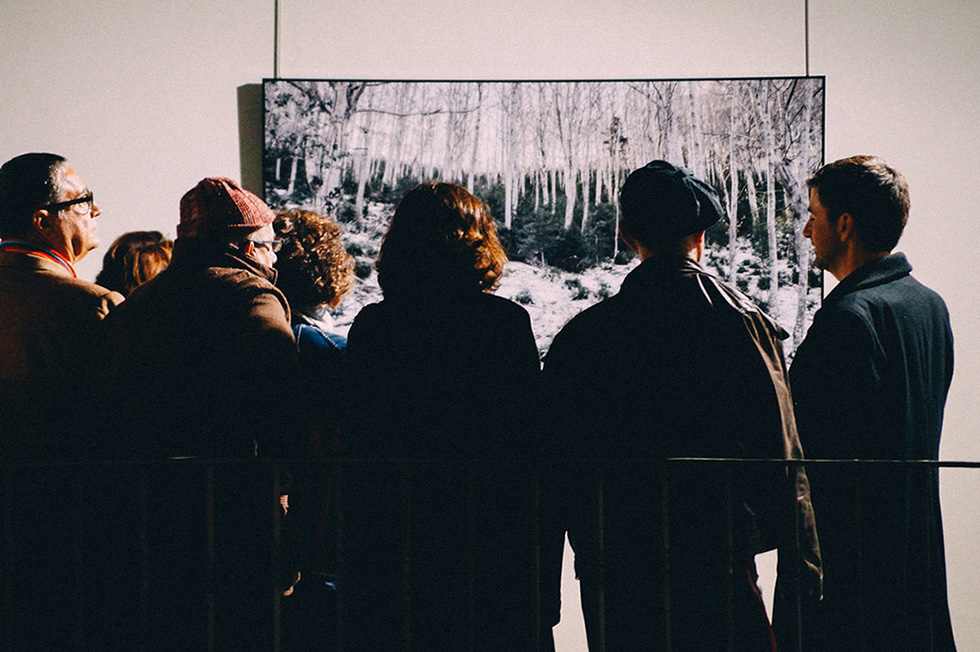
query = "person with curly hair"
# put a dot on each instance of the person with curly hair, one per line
(133, 259)
(442, 371)
(314, 272)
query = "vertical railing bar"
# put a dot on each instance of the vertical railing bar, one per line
(535, 489)
(730, 559)
(600, 517)
(406, 509)
(664, 468)
(470, 558)
(77, 560)
(339, 555)
(144, 559)
(276, 568)
(210, 579)
(8, 543)
(858, 546)
(931, 479)
(795, 470)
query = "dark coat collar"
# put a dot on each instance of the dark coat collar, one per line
(877, 272)
(193, 253)
(656, 266)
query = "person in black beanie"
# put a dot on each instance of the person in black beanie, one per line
(677, 364)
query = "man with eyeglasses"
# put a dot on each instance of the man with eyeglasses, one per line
(49, 325)
(201, 362)
(49, 317)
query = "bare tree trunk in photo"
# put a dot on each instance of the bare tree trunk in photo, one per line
(697, 158)
(552, 190)
(586, 178)
(769, 151)
(537, 190)
(801, 218)
(293, 166)
(471, 179)
(614, 139)
(510, 154)
(341, 100)
(733, 191)
(565, 117)
(363, 166)
(394, 163)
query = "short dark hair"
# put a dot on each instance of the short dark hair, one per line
(133, 259)
(872, 192)
(440, 234)
(27, 182)
(314, 268)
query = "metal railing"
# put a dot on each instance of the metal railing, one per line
(188, 554)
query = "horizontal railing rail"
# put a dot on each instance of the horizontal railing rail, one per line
(108, 548)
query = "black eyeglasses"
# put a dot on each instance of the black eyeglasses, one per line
(86, 199)
(274, 245)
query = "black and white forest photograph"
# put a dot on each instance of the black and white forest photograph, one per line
(549, 158)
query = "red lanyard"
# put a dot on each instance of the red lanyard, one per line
(22, 247)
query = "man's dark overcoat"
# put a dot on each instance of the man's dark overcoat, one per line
(199, 362)
(677, 364)
(870, 382)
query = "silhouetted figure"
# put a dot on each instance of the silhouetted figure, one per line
(49, 327)
(315, 272)
(438, 552)
(870, 382)
(201, 363)
(677, 364)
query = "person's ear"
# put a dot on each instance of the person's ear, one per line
(250, 248)
(629, 240)
(42, 220)
(845, 227)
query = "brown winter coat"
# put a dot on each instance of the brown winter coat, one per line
(49, 324)
(201, 362)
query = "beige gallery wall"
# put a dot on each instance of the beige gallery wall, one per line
(144, 98)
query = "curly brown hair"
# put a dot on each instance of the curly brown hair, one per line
(133, 259)
(440, 235)
(314, 268)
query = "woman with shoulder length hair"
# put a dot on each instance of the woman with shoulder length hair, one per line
(440, 236)
(133, 259)
(443, 375)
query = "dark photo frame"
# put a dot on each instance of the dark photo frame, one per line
(549, 157)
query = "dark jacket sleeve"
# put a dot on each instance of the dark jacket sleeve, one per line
(265, 333)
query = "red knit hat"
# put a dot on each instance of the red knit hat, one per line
(218, 204)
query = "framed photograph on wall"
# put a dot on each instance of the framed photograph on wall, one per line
(549, 158)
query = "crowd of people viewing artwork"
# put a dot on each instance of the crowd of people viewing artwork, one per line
(429, 466)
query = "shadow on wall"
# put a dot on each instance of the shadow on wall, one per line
(250, 136)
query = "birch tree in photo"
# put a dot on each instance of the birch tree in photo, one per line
(802, 244)
(363, 159)
(475, 145)
(326, 144)
(764, 113)
(733, 191)
(511, 118)
(593, 104)
(694, 125)
(567, 119)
